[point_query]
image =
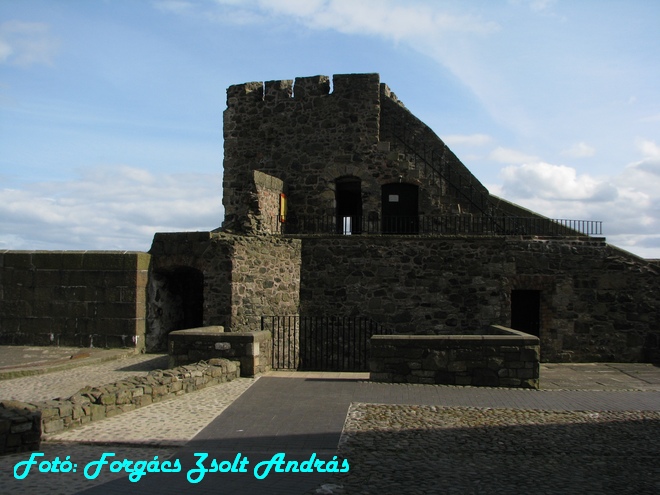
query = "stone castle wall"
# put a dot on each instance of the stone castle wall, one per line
(78, 298)
(243, 279)
(308, 137)
(597, 303)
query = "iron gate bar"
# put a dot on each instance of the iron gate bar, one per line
(321, 343)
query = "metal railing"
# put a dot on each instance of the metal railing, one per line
(436, 225)
(435, 159)
(321, 343)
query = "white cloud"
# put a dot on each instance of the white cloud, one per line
(5, 50)
(649, 149)
(651, 118)
(385, 18)
(507, 155)
(555, 182)
(580, 150)
(27, 43)
(535, 5)
(108, 208)
(377, 17)
(628, 204)
(467, 140)
(175, 6)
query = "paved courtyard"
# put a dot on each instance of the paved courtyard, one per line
(595, 428)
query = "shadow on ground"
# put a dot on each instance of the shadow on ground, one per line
(159, 362)
(572, 452)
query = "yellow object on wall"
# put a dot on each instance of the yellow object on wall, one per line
(283, 207)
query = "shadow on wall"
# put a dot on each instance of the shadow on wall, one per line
(652, 348)
(176, 302)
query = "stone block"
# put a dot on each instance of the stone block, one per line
(525, 374)
(422, 373)
(106, 260)
(50, 412)
(463, 380)
(13, 440)
(457, 366)
(72, 260)
(435, 360)
(21, 427)
(97, 411)
(111, 411)
(530, 354)
(65, 408)
(5, 425)
(53, 426)
(124, 397)
(18, 260)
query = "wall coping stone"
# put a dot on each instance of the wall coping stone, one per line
(252, 349)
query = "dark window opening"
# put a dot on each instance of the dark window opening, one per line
(526, 311)
(400, 208)
(349, 205)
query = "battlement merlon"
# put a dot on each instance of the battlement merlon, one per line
(386, 92)
(350, 86)
(277, 90)
(305, 87)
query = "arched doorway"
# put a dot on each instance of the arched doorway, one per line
(348, 195)
(400, 208)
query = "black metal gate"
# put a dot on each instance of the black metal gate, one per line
(321, 343)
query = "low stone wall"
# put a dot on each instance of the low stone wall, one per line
(252, 349)
(505, 358)
(22, 424)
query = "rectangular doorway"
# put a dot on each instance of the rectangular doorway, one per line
(526, 311)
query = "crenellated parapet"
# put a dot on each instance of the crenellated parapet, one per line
(314, 132)
(350, 86)
(305, 132)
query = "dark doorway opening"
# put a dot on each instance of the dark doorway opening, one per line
(176, 302)
(349, 205)
(400, 208)
(526, 311)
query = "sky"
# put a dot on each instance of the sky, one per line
(111, 110)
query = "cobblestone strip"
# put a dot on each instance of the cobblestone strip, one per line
(68, 382)
(155, 430)
(431, 449)
(173, 422)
